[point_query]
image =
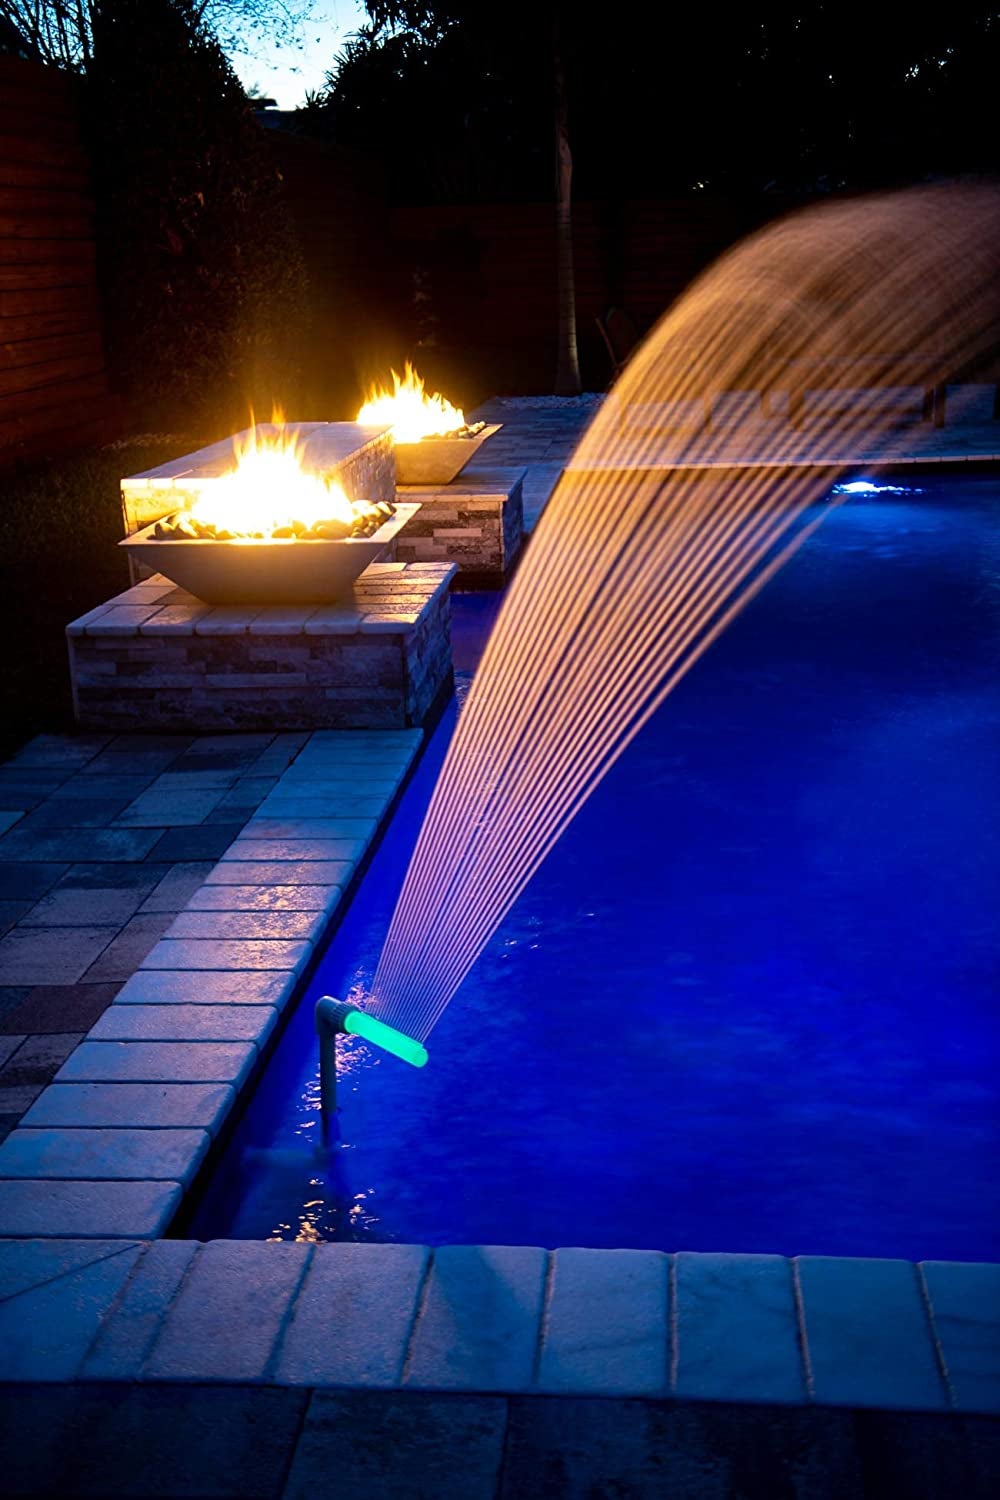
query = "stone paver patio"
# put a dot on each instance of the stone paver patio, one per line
(202, 988)
(163, 897)
(107, 839)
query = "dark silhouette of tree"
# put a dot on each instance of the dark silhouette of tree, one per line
(490, 63)
(782, 101)
(783, 97)
(204, 291)
(62, 31)
(567, 381)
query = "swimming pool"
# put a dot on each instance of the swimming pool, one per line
(749, 1001)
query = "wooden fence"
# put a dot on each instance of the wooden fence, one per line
(53, 387)
(488, 276)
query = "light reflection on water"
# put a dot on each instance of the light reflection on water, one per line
(326, 1212)
(786, 901)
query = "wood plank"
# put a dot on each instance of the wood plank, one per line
(69, 276)
(77, 223)
(20, 72)
(24, 302)
(37, 88)
(39, 351)
(43, 326)
(53, 137)
(64, 393)
(69, 178)
(54, 149)
(42, 114)
(44, 203)
(20, 258)
(35, 377)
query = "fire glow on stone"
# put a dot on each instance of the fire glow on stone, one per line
(411, 411)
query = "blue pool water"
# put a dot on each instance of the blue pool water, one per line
(749, 1003)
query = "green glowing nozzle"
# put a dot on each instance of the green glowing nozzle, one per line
(359, 1023)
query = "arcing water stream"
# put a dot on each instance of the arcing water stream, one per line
(632, 574)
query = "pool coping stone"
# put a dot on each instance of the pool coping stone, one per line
(503, 1320)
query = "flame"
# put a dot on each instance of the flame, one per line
(269, 489)
(409, 410)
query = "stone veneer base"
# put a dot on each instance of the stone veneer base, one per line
(155, 655)
(477, 523)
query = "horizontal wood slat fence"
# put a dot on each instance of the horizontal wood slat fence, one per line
(488, 272)
(53, 381)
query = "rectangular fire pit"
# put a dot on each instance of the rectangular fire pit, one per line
(477, 523)
(360, 459)
(438, 460)
(278, 571)
(159, 658)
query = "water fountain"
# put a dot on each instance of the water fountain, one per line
(634, 572)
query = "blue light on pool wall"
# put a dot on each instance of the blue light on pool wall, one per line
(787, 890)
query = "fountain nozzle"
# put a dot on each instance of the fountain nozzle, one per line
(339, 1018)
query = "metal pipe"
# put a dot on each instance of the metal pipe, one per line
(335, 1018)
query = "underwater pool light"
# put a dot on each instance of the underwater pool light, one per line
(866, 487)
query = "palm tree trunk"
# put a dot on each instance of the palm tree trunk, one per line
(567, 382)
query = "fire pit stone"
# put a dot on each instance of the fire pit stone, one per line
(439, 460)
(477, 523)
(360, 459)
(379, 659)
(274, 571)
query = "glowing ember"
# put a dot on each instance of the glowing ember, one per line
(270, 496)
(412, 413)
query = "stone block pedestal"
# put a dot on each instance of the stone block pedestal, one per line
(156, 658)
(476, 522)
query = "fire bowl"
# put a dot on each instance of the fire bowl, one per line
(437, 460)
(282, 571)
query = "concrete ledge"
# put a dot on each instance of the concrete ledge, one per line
(964, 1304)
(506, 1320)
(225, 1321)
(185, 1023)
(736, 1329)
(95, 1209)
(867, 1334)
(479, 1320)
(158, 1062)
(100, 1106)
(55, 1296)
(94, 1155)
(352, 1322)
(627, 1292)
(237, 987)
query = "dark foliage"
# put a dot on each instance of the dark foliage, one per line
(59, 528)
(781, 97)
(203, 284)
